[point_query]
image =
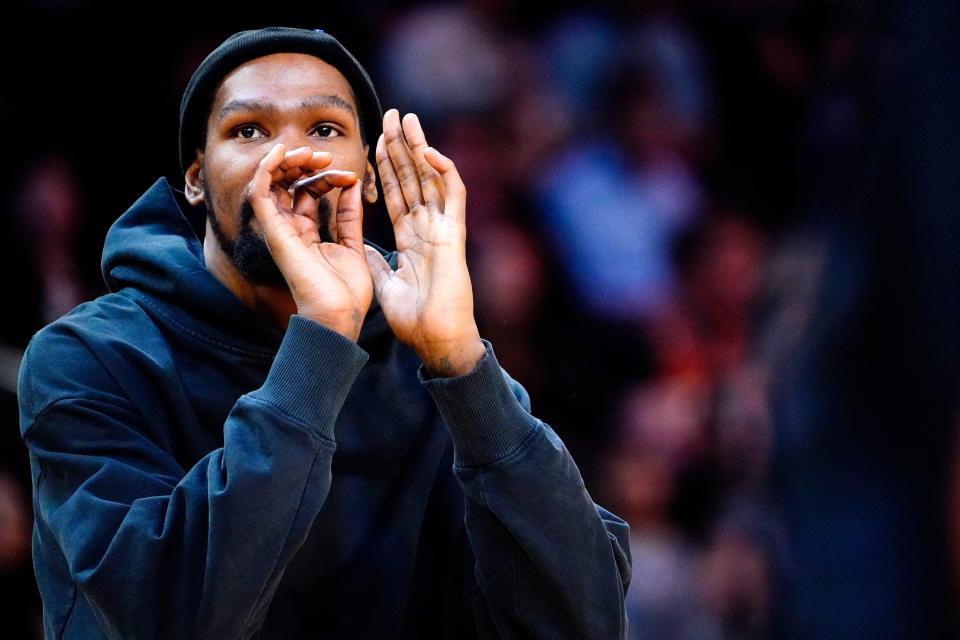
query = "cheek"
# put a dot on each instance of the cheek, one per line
(227, 180)
(349, 157)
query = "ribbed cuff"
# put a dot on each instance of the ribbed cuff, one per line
(312, 374)
(485, 419)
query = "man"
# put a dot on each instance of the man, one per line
(182, 428)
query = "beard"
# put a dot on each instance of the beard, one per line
(248, 250)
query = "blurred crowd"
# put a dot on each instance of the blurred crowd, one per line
(644, 182)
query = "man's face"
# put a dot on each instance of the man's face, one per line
(294, 99)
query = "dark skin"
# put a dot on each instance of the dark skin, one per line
(282, 116)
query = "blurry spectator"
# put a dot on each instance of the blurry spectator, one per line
(510, 281)
(478, 152)
(582, 50)
(704, 331)
(698, 436)
(442, 59)
(50, 212)
(672, 58)
(615, 200)
(21, 602)
(738, 574)
(14, 526)
(665, 419)
(744, 428)
(660, 436)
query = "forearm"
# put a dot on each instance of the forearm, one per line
(550, 563)
(158, 551)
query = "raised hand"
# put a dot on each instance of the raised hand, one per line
(428, 300)
(330, 281)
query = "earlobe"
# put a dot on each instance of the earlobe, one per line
(194, 181)
(370, 193)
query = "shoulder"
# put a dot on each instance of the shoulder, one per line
(81, 353)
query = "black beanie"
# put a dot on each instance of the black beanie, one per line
(245, 46)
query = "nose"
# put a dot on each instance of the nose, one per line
(294, 137)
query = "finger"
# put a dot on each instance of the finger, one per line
(318, 160)
(295, 158)
(392, 194)
(321, 183)
(402, 159)
(306, 219)
(299, 162)
(431, 185)
(379, 269)
(350, 217)
(455, 200)
(263, 176)
(276, 230)
(290, 163)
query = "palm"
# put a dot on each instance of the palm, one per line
(427, 284)
(427, 300)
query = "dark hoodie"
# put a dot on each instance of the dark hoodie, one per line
(185, 483)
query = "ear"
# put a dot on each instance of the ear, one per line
(370, 193)
(194, 181)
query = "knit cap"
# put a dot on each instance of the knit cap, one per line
(245, 46)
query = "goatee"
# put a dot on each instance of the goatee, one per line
(249, 251)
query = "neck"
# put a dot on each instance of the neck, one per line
(273, 304)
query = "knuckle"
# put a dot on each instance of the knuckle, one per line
(406, 172)
(390, 188)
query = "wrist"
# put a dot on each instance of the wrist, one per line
(346, 323)
(453, 359)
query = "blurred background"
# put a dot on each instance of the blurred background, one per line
(715, 240)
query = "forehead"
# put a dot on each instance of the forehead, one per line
(282, 76)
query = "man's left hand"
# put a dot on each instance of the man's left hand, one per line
(428, 300)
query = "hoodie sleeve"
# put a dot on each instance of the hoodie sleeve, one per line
(162, 552)
(549, 562)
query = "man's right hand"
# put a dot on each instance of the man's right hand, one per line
(330, 281)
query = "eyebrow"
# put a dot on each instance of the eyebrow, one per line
(259, 106)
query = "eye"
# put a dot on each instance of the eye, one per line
(248, 132)
(325, 131)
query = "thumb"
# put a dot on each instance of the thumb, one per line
(350, 217)
(380, 271)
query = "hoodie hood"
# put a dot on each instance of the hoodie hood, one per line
(155, 253)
